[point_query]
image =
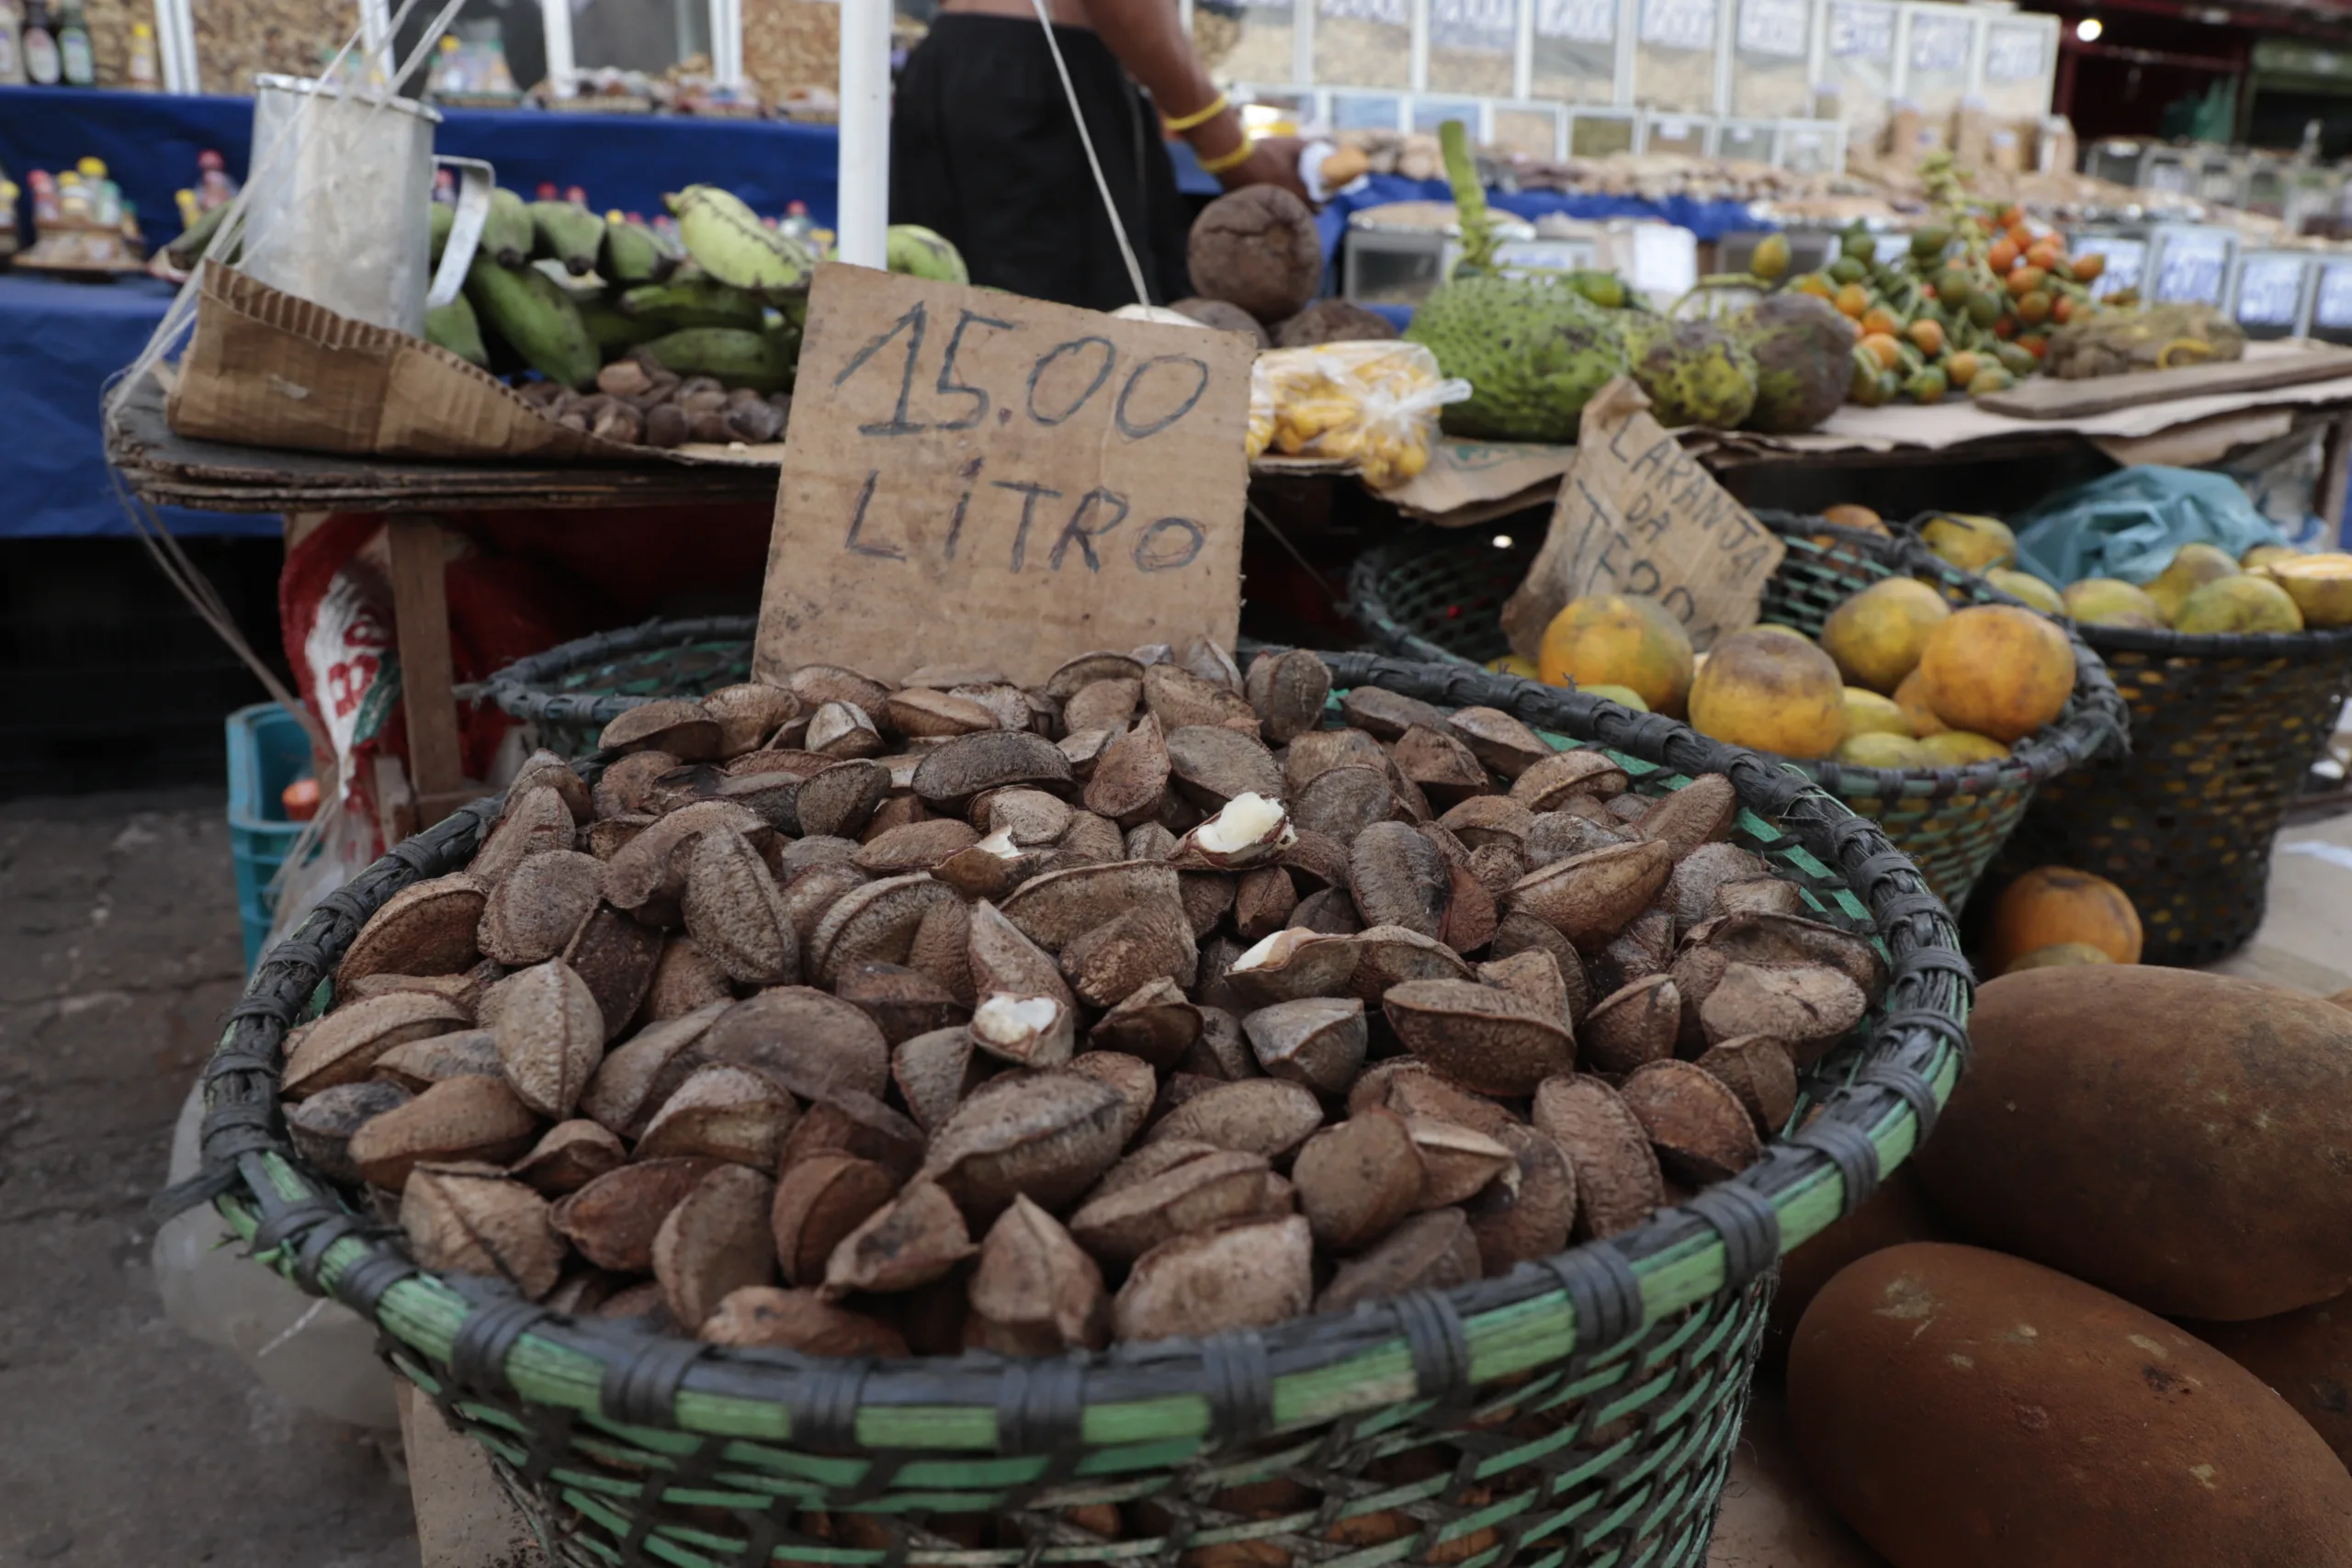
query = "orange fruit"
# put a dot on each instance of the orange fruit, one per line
(1909, 698)
(1963, 367)
(1847, 514)
(2012, 216)
(1772, 690)
(1620, 639)
(2021, 236)
(1928, 337)
(1997, 670)
(1876, 637)
(1852, 299)
(1813, 283)
(2056, 904)
(2024, 280)
(2045, 254)
(2001, 256)
(2034, 343)
(2087, 267)
(2061, 309)
(1879, 319)
(2033, 308)
(1884, 348)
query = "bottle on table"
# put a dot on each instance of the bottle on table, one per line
(12, 55)
(75, 61)
(106, 197)
(45, 206)
(797, 221)
(41, 65)
(139, 72)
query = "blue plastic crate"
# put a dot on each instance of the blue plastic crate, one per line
(267, 751)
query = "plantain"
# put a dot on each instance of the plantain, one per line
(634, 254)
(506, 232)
(568, 232)
(737, 357)
(455, 327)
(919, 252)
(728, 240)
(698, 302)
(615, 334)
(538, 320)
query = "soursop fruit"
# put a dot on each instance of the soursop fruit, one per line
(1804, 351)
(1695, 373)
(1533, 352)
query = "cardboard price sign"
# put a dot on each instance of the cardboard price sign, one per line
(973, 478)
(1638, 514)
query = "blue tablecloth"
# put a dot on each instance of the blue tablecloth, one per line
(150, 142)
(59, 343)
(1708, 220)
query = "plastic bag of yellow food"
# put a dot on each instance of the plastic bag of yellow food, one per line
(1373, 405)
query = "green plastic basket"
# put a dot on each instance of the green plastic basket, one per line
(2224, 730)
(1439, 596)
(1579, 1413)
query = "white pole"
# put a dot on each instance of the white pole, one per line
(864, 169)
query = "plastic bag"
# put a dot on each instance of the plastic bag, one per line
(2132, 523)
(1373, 405)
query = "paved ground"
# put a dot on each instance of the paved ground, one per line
(127, 1444)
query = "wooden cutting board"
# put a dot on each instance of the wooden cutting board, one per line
(2045, 397)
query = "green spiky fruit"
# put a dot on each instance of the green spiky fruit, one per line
(1695, 373)
(1533, 352)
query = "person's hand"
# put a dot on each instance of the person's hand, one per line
(1272, 161)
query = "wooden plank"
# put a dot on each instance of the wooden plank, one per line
(421, 618)
(2043, 397)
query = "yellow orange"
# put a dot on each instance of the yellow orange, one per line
(1877, 636)
(1620, 639)
(1772, 691)
(1997, 669)
(2054, 904)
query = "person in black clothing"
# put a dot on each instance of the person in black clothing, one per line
(983, 148)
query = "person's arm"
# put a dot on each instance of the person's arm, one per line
(1149, 40)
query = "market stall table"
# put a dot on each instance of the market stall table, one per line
(413, 498)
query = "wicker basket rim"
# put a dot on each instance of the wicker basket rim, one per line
(1608, 1290)
(2096, 722)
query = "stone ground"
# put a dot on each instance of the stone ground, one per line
(127, 1444)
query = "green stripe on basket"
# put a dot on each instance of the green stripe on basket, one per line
(425, 1313)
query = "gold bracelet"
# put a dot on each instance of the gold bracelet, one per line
(1232, 160)
(1198, 117)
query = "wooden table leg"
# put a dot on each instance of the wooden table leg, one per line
(420, 617)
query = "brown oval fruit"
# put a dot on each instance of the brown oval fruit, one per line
(470, 1220)
(798, 1320)
(723, 1112)
(1434, 1251)
(549, 1037)
(914, 1239)
(1317, 1041)
(1589, 897)
(1261, 1116)
(1758, 1069)
(1702, 1131)
(463, 1119)
(1358, 1181)
(1633, 1026)
(715, 1241)
(1213, 1187)
(536, 910)
(427, 928)
(1047, 1135)
(1959, 1406)
(1034, 1291)
(344, 1047)
(817, 1201)
(1808, 1007)
(570, 1156)
(614, 1219)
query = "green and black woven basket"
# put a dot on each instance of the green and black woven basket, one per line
(1576, 1414)
(2224, 731)
(572, 691)
(1439, 596)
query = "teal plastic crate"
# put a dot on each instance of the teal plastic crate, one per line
(267, 751)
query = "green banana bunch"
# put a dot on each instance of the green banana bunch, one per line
(506, 233)
(613, 333)
(538, 320)
(695, 301)
(737, 357)
(568, 232)
(919, 252)
(455, 327)
(634, 254)
(729, 242)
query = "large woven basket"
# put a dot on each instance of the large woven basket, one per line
(572, 691)
(2224, 730)
(1439, 596)
(1576, 1414)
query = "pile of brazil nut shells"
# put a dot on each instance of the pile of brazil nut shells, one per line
(1158, 999)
